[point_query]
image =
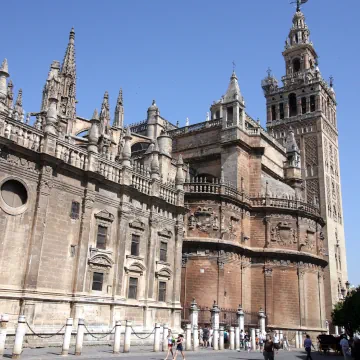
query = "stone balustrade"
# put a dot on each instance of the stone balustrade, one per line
(71, 154)
(168, 193)
(22, 134)
(196, 127)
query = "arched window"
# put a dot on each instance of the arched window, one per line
(281, 110)
(303, 105)
(296, 65)
(312, 103)
(139, 148)
(292, 105)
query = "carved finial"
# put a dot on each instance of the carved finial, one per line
(4, 66)
(269, 72)
(331, 81)
(222, 175)
(95, 115)
(72, 34)
(187, 122)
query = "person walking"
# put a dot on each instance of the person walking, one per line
(206, 334)
(344, 344)
(170, 343)
(179, 347)
(261, 342)
(242, 338)
(268, 348)
(201, 337)
(276, 342)
(286, 344)
(308, 344)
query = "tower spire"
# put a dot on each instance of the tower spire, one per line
(105, 115)
(119, 111)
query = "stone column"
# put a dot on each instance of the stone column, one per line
(269, 294)
(79, 337)
(127, 336)
(215, 316)
(262, 322)
(178, 261)
(221, 338)
(281, 335)
(299, 107)
(67, 337)
(336, 330)
(232, 338)
(302, 301)
(165, 334)
(240, 318)
(4, 319)
(38, 227)
(297, 340)
(19, 337)
(215, 339)
(156, 346)
(268, 114)
(321, 299)
(301, 339)
(117, 337)
(286, 109)
(194, 312)
(84, 236)
(188, 337)
(195, 338)
(237, 338)
(253, 339)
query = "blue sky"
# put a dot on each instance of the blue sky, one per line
(180, 53)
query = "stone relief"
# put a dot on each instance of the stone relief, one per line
(5, 156)
(283, 234)
(204, 219)
(137, 224)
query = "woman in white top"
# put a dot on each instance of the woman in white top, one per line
(170, 342)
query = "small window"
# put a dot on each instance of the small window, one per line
(273, 112)
(135, 245)
(133, 284)
(217, 114)
(163, 251)
(98, 279)
(292, 104)
(75, 210)
(162, 291)
(14, 193)
(101, 237)
(281, 108)
(303, 105)
(312, 103)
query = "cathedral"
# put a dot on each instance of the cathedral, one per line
(106, 221)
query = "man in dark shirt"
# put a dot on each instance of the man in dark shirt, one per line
(268, 349)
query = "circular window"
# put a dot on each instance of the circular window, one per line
(14, 196)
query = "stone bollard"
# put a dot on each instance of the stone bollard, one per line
(188, 337)
(221, 338)
(336, 330)
(300, 339)
(195, 338)
(117, 336)
(4, 319)
(253, 339)
(216, 339)
(79, 337)
(127, 336)
(237, 338)
(240, 318)
(262, 321)
(19, 337)
(281, 335)
(165, 335)
(232, 338)
(156, 346)
(194, 314)
(67, 337)
(297, 340)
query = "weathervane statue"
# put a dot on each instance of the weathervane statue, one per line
(299, 3)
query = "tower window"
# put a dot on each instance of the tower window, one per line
(101, 237)
(296, 65)
(133, 285)
(292, 105)
(217, 114)
(75, 210)
(230, 116)
(303, 105)
(312, 103)
(162, 291)
(98, 279)
(135, 245)
(281, 109)
(273, 112)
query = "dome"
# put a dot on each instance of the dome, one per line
(153, 106)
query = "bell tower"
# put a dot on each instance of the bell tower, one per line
(304, 107)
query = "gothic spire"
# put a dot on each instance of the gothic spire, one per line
(4, 73)
(18, 109)
(119, 111)
(68, 66)
(233, 92)
(105, 115)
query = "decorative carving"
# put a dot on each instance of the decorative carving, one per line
(105, 216)
(268, 272)
(221, 264)
(135, 267)
(45, 186)
(165, 233)
(311, 151)
(204, 219)
(184, 261)
(137, 224)
(312, 190)
(283, 234)
(100, 260)
(164, 273)
(5, 156)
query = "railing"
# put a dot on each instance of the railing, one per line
(138, 127)
(285, 203)
(23, 134)
(168, 193)
(196, 127)
(109, 170)
(71, 154)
